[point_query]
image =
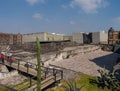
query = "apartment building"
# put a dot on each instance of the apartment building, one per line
(113, 36)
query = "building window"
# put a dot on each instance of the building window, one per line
(110, 37)
(115, 37)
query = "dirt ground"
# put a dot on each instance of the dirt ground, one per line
(89, 63)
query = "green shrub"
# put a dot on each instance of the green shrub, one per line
(71, 86)
(109, 80)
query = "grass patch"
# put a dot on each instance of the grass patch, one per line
(3, 89)
(88, 83)
(24, 85)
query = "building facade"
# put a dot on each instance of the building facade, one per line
(92, 37)
(87, 38)
(77, 37)
(113, 37)
(6, 38)
(82, 38)
(43, 36)
(99, 37)
(67, 38)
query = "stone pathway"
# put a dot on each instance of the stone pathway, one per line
(89, 63)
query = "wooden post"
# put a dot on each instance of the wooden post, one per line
(27, 67)
(54, 74)
(46, 72)
(61, 74)
(30, 82)
(18, 64)
(36, 67)
(53, 71)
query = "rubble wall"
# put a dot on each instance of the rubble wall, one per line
(45, 47)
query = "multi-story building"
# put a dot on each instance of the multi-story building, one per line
(6, 38)
(113, 36)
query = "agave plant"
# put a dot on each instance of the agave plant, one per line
(38, 66)
(109, 80)
(103, 80)
(71, 86)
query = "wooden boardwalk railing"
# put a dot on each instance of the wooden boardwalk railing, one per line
(48, 75)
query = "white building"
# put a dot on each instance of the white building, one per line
(43, 36)
(99, 37)
(77, 37)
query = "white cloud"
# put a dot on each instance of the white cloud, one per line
(32, 2)
(72, 22)
(89, 6)
(37, 16)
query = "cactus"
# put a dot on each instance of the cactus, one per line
(38, 66)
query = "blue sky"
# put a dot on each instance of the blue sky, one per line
(58, 16)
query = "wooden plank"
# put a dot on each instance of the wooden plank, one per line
(45, 83)
(50, 78)
(22, 68)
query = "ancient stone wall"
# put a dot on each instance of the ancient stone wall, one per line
(45, 47)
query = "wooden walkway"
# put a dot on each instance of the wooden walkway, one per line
(48, 75)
